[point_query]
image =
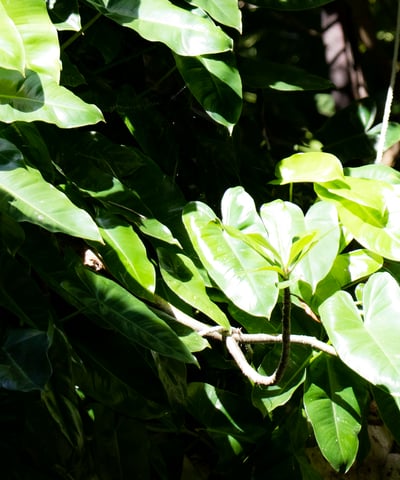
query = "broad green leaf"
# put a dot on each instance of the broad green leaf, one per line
(12, 53)
(184, 32)
(26, 196)
(226, 12)
(308, 167)
(317, 262)
(368, 347)
(124, 254)
(34, 34)
(284, 222)
(239, 210)
(39, 98)
(112, 305)
(276, 76)
(266, 399)
(334, 400)
(360, 191)
(24, 363)
(237, 269)
(223, 412)
(378, 172)
(347, 268)
(216, 84)
(371, 215)
(291, 4)
(184, 279)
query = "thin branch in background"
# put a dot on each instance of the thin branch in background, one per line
(390, 91)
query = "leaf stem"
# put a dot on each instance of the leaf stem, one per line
(76, 35)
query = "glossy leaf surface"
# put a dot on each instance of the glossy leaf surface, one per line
(334, 400)
(368, 209)
(161, 21)
(369, 346)
(236, 268)
(216, 84)
(124, 254)
(184, 279)
(113, 305)
(32, 199)
(226, 12)
(308, 167)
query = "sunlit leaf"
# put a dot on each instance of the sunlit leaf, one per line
(184, 279)
(284, 223)
(237, 269)
(124, 253)
(216, 84)
(39, 98)
(28, 27)
(308, 167)
(28, 197)
(369, 346)
(226, 12)
(184, 32)
(316, 263)
(369, 210)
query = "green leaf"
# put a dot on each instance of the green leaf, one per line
(276, 76)
(12, 53)
(184, 279)
(110, 304)
(184, 32)
(226, 12)
(317, 262)
(368, 347)
(347, 268)
(238, 210)
(368, 210)
(35, 97)
(267, 399)
(216, 85)
(24, 364)
(308, 167)
(28, 27)
(291, 4)
(237, 269)
(26, 196)
(124, 254)
(284, 222)
(334, 399)
(223, 412)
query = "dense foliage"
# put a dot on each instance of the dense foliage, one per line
(199, 259)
